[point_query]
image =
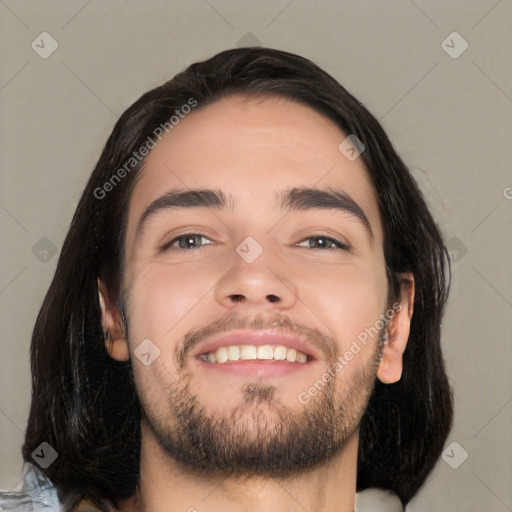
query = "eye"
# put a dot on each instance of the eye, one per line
(191, 241)
(188, 241)
(325, 242)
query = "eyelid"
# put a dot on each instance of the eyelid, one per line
(344, 246)
(174, 238)
(182, 230)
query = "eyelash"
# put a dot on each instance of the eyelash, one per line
(342, 246)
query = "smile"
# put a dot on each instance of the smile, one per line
(230, 353)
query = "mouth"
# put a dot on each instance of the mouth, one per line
(256, 353)
(246, 352)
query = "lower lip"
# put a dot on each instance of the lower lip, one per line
(256, 368)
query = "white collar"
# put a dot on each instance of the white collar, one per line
(378, 500)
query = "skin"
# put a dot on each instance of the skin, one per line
(251, 148)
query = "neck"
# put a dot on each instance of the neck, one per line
(165, 486)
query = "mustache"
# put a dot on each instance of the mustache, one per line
(324, 343)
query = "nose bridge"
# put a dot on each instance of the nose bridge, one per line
(257, 276)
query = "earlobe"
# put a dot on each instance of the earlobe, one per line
(390, 367)
(116, 343)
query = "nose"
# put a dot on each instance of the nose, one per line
(263, 284)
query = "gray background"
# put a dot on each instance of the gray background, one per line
(449, 118)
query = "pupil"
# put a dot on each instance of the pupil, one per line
(186, 241)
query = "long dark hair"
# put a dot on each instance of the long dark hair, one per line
(84, 404)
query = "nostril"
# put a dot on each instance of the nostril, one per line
(273, 298)
(238, 298)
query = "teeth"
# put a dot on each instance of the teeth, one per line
(301, 358)
(249, 352)
(221, 355)
(291, 355)
(264, 352)
(233, 353)
(280, 353)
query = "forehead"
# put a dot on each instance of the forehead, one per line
(251, 149)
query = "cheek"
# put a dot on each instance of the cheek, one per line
(161, 297)
(342, 301)
(348, 301)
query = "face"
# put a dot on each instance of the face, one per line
(279, 264)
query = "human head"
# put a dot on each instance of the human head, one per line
(75, 382)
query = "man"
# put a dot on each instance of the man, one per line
(246, 310)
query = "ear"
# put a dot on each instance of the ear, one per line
(112, 323)
(390, 367)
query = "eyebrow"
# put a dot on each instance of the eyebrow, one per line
(297, 198)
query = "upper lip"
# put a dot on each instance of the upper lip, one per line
(261, 337)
